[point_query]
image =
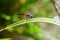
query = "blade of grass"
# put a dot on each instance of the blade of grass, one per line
(48, 20)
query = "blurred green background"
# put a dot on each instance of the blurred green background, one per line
(12, 11)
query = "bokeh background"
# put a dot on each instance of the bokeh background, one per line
(12, 11)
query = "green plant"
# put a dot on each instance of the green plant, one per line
(34, 29)
(11, 11)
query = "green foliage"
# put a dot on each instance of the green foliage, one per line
(32, 28)
(11, 11)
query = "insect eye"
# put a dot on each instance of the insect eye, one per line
(29, 16)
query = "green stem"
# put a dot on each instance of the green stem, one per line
(48, 20)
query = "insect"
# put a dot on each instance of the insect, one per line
(28, 15)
